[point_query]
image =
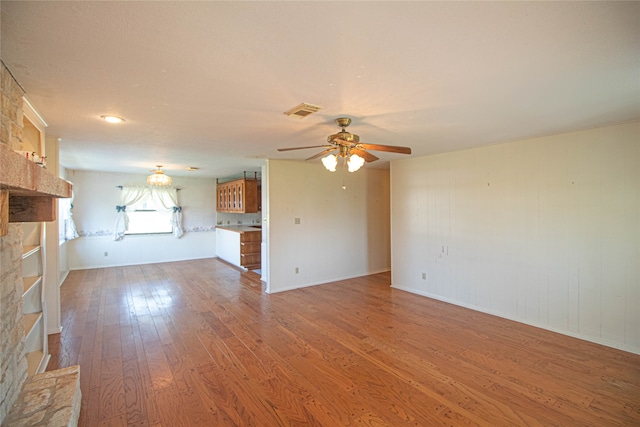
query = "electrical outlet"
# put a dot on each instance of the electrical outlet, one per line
(296, 221)
(424, 276)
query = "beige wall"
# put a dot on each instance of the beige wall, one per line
(96, 196)
(545, 231)
(342, 233)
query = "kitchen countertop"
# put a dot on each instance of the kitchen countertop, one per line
(241, 228)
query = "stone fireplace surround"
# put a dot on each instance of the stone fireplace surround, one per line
(51, 398)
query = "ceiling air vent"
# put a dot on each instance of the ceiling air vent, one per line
(302, 110)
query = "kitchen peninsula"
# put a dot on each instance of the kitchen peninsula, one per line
(239, 245)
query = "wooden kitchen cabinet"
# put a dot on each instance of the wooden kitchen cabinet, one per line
(239, 245)
(238, 196)
(250, 252)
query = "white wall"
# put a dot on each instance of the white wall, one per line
(52, 247)
(342, 233)
(96, 197)
(63, 253)
(545, 231)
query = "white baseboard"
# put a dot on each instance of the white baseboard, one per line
(324, 282)
(596, 340)
(64, 277)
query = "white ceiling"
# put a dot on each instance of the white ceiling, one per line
(205, 84)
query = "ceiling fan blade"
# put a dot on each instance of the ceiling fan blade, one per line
(388, 148)
(368, 157)
(303, 148)
(322, 153)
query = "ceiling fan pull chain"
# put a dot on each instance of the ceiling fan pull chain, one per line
(344, 186)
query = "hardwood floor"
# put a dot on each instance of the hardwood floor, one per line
(200, 343)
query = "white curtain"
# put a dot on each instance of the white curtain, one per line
(168, 198)
(176, 222)
(128, 197)
(165, 197)
(70, 231)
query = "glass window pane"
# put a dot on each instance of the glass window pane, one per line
(147, 222)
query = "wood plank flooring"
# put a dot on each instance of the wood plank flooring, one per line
(198, 343)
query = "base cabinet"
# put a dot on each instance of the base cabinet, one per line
(250, 254)
(228, 245)
(239, 247)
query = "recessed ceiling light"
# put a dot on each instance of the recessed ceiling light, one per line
(112, 119)
(192, 169)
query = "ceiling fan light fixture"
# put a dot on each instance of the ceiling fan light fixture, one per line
(349, 148)
(354, 162)
(158, 178)
(330, 162)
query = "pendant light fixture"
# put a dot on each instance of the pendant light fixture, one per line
(158, 178)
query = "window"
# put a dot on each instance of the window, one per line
(147, 217)
(64, 207)
(145, 210)
(66, 226)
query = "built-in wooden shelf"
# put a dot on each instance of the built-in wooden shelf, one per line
(27, 191)
(34, 359)
(29, 284)
(29, 321)
(29, 250)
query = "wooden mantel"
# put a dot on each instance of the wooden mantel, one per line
(27, 191)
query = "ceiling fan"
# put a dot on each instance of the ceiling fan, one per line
(348, 146)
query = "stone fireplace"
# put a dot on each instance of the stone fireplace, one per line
(27, 194)
(12, 352)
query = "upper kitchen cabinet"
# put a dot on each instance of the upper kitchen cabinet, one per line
(238, 196)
